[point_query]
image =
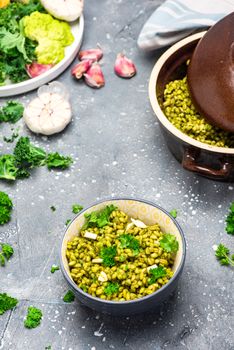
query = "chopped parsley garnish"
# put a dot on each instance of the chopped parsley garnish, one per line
(11, 138)
(5, 208)
(76, 208)
(69, 297)
(169, 243)
(48, 347)
(67, 222)
(6, 303)
(11, 112)
(33, 318)
(129, 241)
(53, 208)
(54, 268)
(230, 220)
(99, 218)
(173, 213)
(222, 255)
(157, 273)
(84, 287)
(56, 160)
(108, 256)
(111, 288)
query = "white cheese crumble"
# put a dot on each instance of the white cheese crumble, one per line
(138, 223)
(90, 235)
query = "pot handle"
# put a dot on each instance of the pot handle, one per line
(189, 162)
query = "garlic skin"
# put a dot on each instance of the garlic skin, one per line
(124, 67)
(50, 112)
(91, 54)
(94, 76)
(35, 69)
(79, 69)
(67, 10)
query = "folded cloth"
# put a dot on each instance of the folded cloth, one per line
(175, 19)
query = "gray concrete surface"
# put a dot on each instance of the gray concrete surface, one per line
(118, 151)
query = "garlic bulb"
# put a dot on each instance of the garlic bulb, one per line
(67, 10)
(50, 112)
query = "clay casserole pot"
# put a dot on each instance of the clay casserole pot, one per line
(216, 163)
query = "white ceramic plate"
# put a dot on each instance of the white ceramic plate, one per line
(71, 51)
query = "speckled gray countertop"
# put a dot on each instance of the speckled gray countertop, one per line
(118, 151)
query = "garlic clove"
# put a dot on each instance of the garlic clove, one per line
(94, 76)
(124, 67)
(91, 54)
(35, 69)
(79, 69)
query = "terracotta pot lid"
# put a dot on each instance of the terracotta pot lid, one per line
(211, 74)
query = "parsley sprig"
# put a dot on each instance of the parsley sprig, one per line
(6, 252)
(129, 241)
(222, 255)
(108, 255)
(111, 288)
(157, 273)
(99, 218)
(33, 318)
(6, 303)
(169, 243)
(230, 220)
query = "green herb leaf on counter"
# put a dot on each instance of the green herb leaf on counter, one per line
(8, 170)
(28, 156)
(173, 213)
(222, 255)
(7, 250)
(56, 160)
(11, 112)
(129, 241)
(69, 297)
(98, 218)
(108, 255)
(111, 288)
(76, 208)
(5, 208)
(11, 138)
(157, 273)
(67, 222)
(230, 220)
(53, 208)
(6, 303)
(169, 243)
(33, 318)
(54, 268)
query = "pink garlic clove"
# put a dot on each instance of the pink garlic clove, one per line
(91, 54)
(35, 69)
(94, 76)
(124, 67)
(79, 69)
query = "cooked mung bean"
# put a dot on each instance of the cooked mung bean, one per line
(124, 262)
(180, 111)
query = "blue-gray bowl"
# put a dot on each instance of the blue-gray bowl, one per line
(150, 214)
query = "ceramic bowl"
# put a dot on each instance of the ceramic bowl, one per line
(150, 214)
(216, 163)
